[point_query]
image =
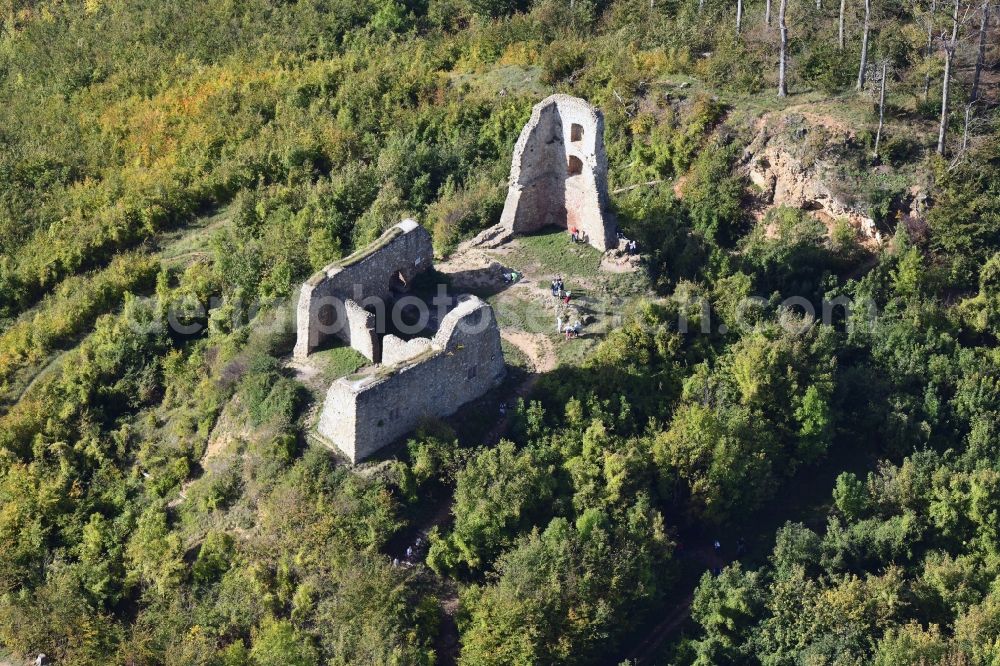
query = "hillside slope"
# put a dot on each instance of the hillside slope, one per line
(171, 172)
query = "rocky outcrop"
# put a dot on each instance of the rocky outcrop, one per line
(787, 175)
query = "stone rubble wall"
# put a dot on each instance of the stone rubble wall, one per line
(396, 350)
(543, 191)
(359, 331)
(404, 251)
(363, 413)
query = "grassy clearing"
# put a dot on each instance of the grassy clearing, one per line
(597, 296)
(521, 314)
(575, 351)
(514, 79)
(337, 362)
(514, 357)
(552, 252)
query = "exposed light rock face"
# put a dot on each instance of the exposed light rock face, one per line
(774, 165)
(367, 411)
(559, 173)
(333, 301)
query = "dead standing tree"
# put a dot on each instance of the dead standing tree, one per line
(840, 26)
(949, 57)
(862, 70)
(984, 22)
(783, 57)
(930, 48)
(883, 75)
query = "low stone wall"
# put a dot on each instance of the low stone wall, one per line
(365, 412)
(396, 350)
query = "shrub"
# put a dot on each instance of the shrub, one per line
(561, 59)
(828, 68)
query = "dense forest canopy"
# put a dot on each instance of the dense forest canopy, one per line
(161, 501)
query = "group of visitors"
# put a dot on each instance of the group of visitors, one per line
(631, 246)
(563, 325)
(741, 549)
(559, 291)
(557, 287)
(577, 236)
(566, 328)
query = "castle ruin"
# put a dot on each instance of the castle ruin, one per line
(410, 380)
(559, 173)
(429, 378)
(334, 301)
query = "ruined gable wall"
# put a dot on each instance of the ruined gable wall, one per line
(338, 420)
(362, 416)
(544, 189)
(405, 250)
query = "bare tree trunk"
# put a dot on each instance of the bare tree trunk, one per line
(949, 56)
(767, 13)
(930, 49)
(782, 63)
(701, 5)
(984, 24)
(881, 108)
(739, 15)
(819, 4)
(840, 36)
(864, 45)
(980, 61)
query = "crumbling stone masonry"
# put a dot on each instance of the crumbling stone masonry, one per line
(427, 378)
(411, 380)
(559, 173)
(333, 301)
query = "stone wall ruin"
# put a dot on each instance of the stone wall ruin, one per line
(371, 409)
(559, 173)
(334, 300)
(410, 380)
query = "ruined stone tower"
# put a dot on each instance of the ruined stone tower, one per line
(559, 174)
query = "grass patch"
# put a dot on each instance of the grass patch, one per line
(192, 241)
(575, 351)
(553, 252)
(338, 362)
(523, 315)
(514, 357)
(515, 79)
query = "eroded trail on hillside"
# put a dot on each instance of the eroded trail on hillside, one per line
(536, 346)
